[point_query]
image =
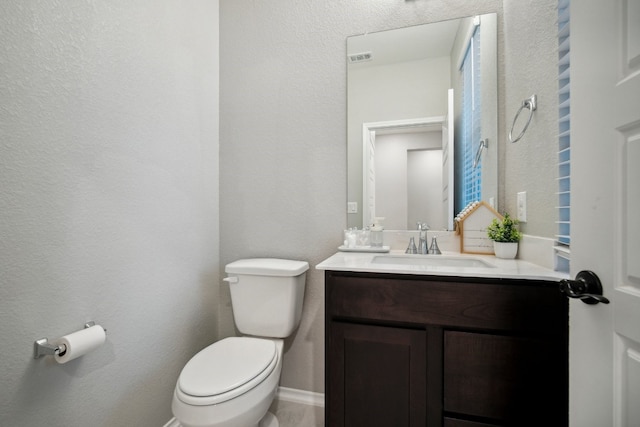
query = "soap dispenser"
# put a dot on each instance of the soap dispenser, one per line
(375, 232)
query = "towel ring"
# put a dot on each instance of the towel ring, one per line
(531, 105)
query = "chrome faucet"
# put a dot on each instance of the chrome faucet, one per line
(422, 245)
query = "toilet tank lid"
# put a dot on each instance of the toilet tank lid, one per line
(267, 267)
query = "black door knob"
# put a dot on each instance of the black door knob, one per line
(586, 287)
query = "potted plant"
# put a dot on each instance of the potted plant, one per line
(505, 236)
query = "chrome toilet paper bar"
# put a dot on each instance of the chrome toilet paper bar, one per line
(43, 347)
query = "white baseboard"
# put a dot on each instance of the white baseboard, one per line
(285, 394)
(300, 396)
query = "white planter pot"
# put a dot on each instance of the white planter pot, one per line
(505, 250)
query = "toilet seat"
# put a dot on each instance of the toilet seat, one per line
(226, 369)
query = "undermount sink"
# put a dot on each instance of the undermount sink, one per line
(432, 261)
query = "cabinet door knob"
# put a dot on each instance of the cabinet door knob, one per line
(586, 287)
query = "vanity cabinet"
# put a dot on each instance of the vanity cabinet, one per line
(414, 350)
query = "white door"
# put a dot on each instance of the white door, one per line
(604, 361)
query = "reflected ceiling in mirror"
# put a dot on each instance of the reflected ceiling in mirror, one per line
(404, 172)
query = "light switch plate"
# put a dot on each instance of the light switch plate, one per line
(522, 206)
(352, 207)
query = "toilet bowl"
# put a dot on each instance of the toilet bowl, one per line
(232, 382)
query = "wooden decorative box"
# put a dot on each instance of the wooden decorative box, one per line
(472, 225)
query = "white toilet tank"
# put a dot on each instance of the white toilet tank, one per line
(266, 295)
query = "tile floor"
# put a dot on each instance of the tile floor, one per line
(292, 414)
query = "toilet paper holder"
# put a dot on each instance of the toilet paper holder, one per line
(43, 347)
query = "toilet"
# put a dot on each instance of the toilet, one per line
(233, 382)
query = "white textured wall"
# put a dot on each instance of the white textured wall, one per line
(108, 203)
(283, 138)
(531, 61)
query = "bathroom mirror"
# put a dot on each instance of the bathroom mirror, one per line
(422, 121)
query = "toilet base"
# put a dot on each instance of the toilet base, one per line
(269, 420)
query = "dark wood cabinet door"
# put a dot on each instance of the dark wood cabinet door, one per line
(519, 381)
(379, 376)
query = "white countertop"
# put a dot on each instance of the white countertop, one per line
(502, 268)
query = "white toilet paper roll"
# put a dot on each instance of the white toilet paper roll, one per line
(80, 343)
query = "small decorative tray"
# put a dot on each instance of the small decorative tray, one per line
(380, 249)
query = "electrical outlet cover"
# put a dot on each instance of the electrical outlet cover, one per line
(522, 206)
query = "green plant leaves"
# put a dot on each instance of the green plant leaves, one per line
(505, 230)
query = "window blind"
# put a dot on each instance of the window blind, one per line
(472, 177)
(564, 137)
